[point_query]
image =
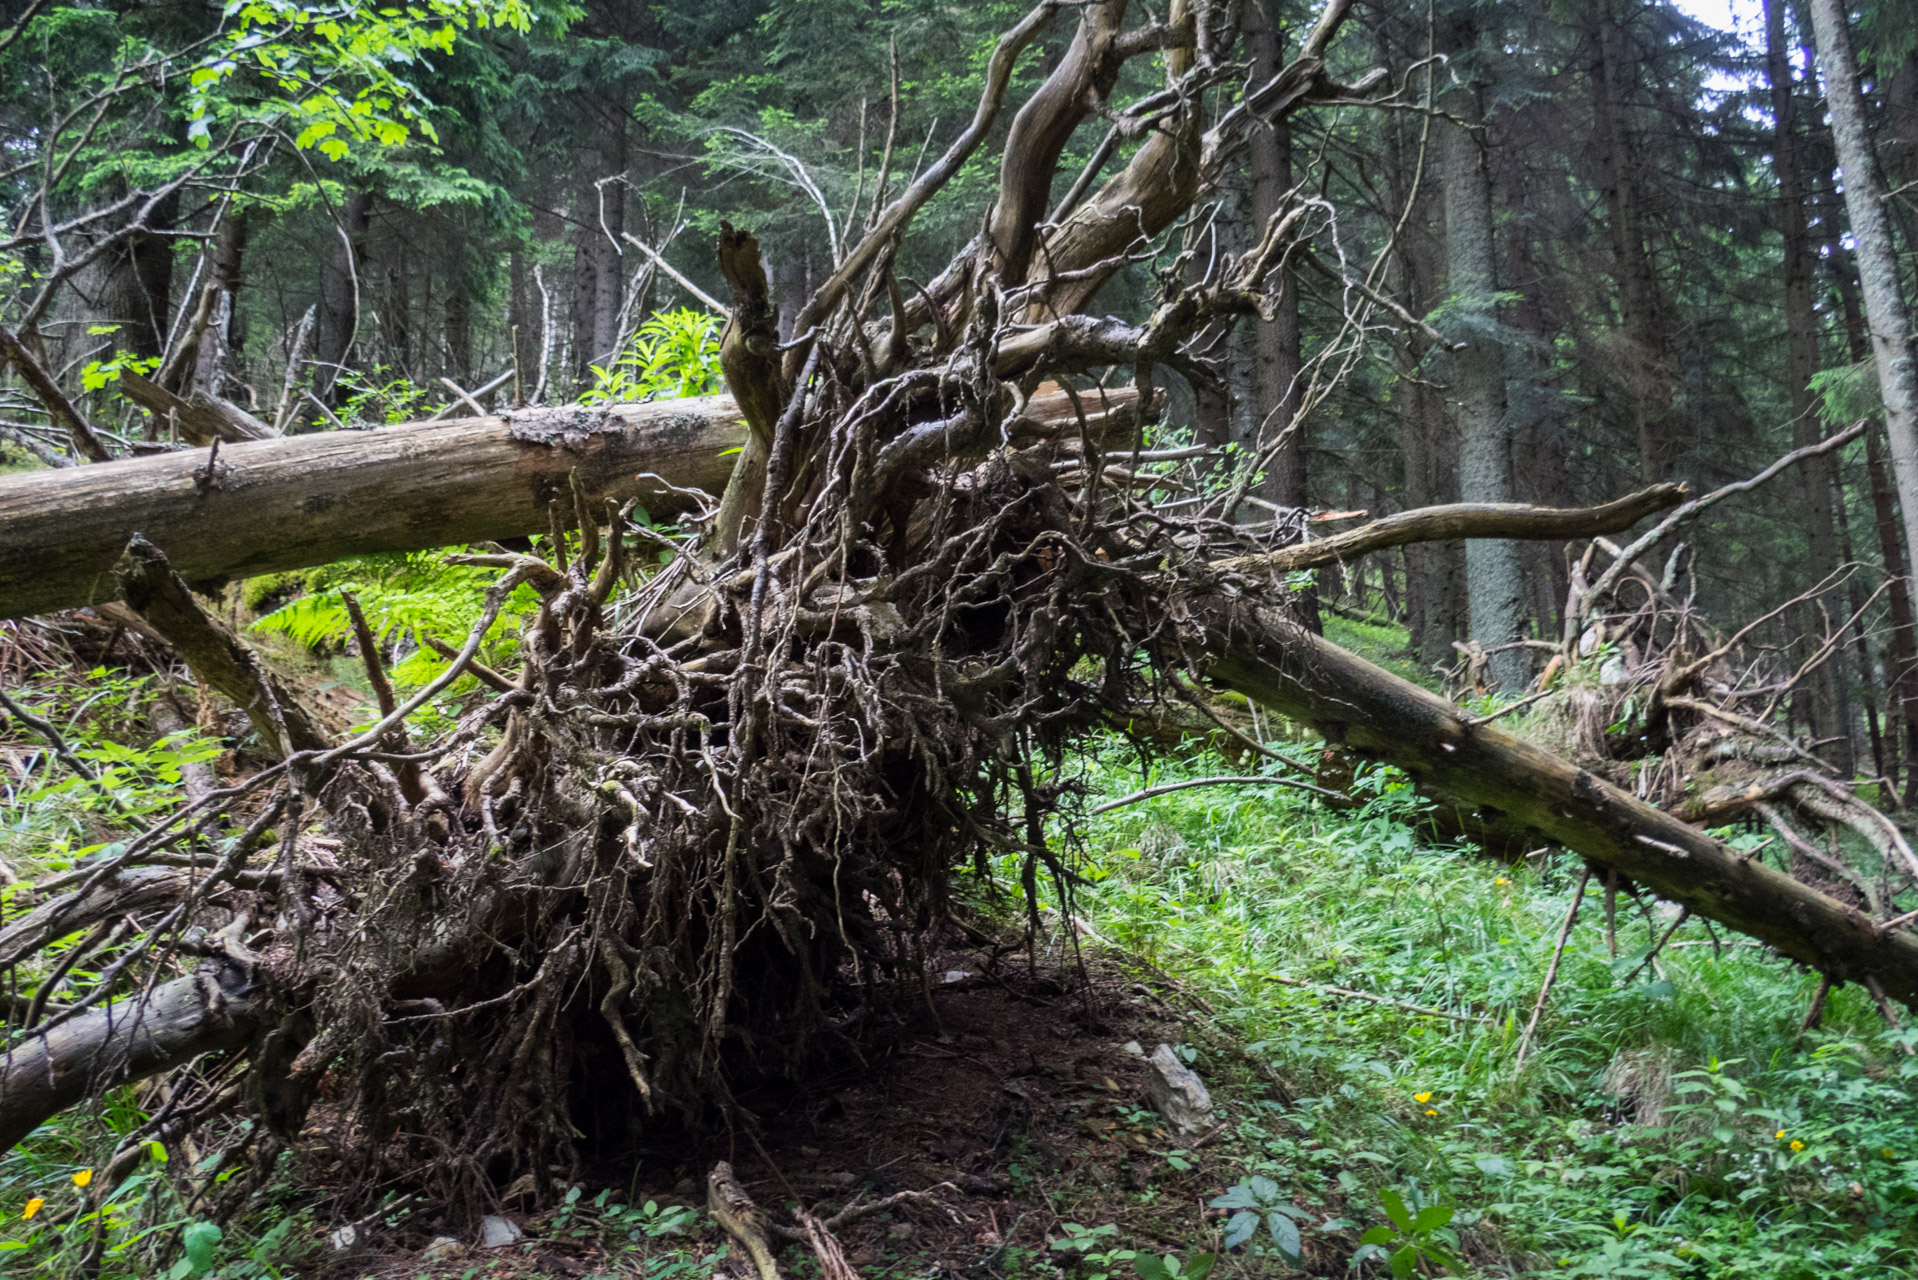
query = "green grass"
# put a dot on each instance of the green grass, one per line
(1641, 1137)
(1381, 644)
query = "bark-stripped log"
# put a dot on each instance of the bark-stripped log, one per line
(295, 502)
(1458, 520)
(1370, 711)
(130, 1039)
(271, 505)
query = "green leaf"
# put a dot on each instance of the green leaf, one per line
(1239, 1228)
(1395, 1210)
(1150, 1268)
(1432, 1217)
(1285, 1234)
(1236, 1197)
(201, 1242)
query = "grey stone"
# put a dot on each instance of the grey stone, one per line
(1178, 1094)
(441, 1249)
(497, 1232)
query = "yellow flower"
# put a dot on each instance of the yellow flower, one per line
(1796, 1145)
(1431, 1113)
(1501, 880)
(1890, 1154)
(83, 1177)
(1422, 1097)
(33, 1206)
(1780, 1135)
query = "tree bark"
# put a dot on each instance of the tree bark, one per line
(216, 656)
(297, 501)
(341, 299)
(1254, 650)
(1818, 476)
(1494, 575)
(1650, 387)
(216, 1008)
(1885, 311)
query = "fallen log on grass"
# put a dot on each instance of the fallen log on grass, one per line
(1365, 709)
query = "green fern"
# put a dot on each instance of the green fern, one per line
(405, 597)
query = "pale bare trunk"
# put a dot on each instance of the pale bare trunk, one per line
(1885, 312)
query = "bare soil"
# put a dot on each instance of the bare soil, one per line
(1007, 1093)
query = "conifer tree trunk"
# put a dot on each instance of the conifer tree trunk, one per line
(340, 301)
(1427, 444)
(1642, 308)
(1885, 312)
(1494, 579)
(1818, 477)
(1277, 360)
(1902, 659)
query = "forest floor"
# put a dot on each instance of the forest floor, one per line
(1352, 990)
(1017, 1097)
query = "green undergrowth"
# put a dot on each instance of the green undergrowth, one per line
(1379, 642)
(1669, 1119)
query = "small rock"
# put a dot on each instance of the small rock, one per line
(441, 1249)
(342, 1238)
(685, 1187)
(958, 975)
(497, 1232)
(1178, 1094)
(845, 1179)
(1134, 1048)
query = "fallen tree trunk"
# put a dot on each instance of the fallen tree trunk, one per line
(289, 503)
(266, 506)
(1254, 650)
(1458, 520)
(128, 1040)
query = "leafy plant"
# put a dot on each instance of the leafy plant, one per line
(673, 355)
(1260, 1201)
(1419, 1235)
(1168, 1267)
(1089, 1250)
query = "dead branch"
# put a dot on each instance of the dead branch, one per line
(59, 408)
(157, 594)
(1463, 520)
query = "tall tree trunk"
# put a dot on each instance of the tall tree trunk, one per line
(1885, 313)
(1426, 442)
(340, 301)
(1649, 386)
(1494, 576)
(459, 333)
(586, 274)
(609, 219)
(1818, 477)
(221, 337)
(1277, 361)
(1902, 657)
